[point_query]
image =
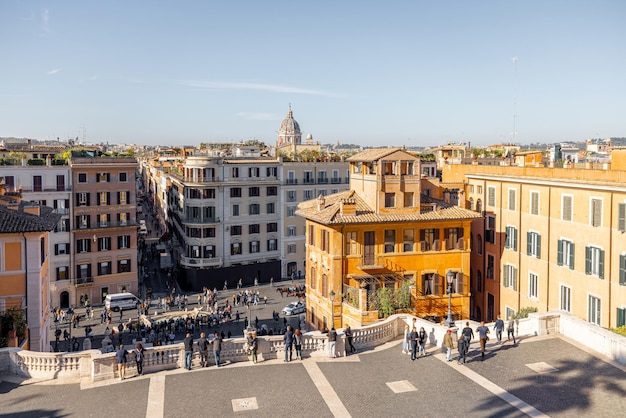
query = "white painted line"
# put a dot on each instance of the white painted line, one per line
(495, 389)
(156, 397)
(329, 395)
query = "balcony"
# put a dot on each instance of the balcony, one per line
(83, 281)
(308, 181)
(322, 180)
(291, 181)
(335, 180)
(191, 262)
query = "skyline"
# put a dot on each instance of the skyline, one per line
(362, 73)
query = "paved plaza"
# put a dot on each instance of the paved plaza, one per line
(541, 376)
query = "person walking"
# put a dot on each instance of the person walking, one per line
(462, 346)
(188, 343)
(288, 339)
(482, 331)
(348, 334)
(297, 336)
(203, 347)
(217, 347)
(510, 330)
(406, 342)
(413, 338)
(332, 340)
(421, 339)
(121, 359)
(468, 333)
(253, 344)
(498, 328)
(448, 343)
(139, 356)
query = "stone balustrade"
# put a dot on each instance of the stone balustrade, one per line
(94, 366)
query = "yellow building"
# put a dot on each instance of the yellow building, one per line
(550, 238)
(384, 233)
(24, 255)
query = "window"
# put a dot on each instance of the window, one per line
(311, 235)
(103, 198)
(235, 210)
(254, 172)
(82, 199)
(255, 247)
(595, 307)
(490, 233)
(622, 270)
(104, 268)
(291, 231)
(408, 237)
(596, 212)
(103, 219)
(479, 281)
(479, 245)
(322, 177)
(62, 273)
(235, 172)
(235, 192)
(82, 177)
(123, 198)
(351, 243)
(272, 245)
(325, 240)
(323, 192)
(270, 207)
(122, 218)
(123, 265)
(254, 191)
(83, 245)
(272, 227)
(566, 208)
(490, 266)
(122, 178)
(534, 203)
(291, 211)
(308, 194)
(566, 298)
(390, 241)
(83, 271)
(512, 199)
(271, 171)
(479, 189)
(431, 284)
(291, 249)
(254, 209)
(235, 230)
(408, 199)
(509, 312)
(60, 182)
(621, 317)
(235, 248)
(104, 244)
(429, 239)
(254, 229)
(271, 191)
(533, 244)
(291, 177)
(103, 177)
(61, 248)
(454, 238)
(533, 284)
(291, 195)
(479, 205)
(390, 200)
(123, 241)
(208, 193)
(509, 279)
(83, 221)
(491, 196)
(594, 261)
(621, 217)
(565, 253)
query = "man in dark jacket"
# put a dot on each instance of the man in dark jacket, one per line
(188, 342)
(203, 347)
(217, 347)
(462, 346)
(288, 338)
(332, 340)
(348, 334)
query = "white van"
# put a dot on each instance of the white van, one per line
(121, 301)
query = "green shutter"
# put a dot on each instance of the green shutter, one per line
(622, 270)
(514, 278)
(514, 238)
(529, 246)
(621, 317)
(538, 246)
(621, 217)
(559, 253)
(587, 260)
(571, 256)
(505, 276)
(601, 265)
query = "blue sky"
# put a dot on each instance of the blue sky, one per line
(413, 73)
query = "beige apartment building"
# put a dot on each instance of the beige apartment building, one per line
(549, 238)
(103, 227)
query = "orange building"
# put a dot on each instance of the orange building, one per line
(384, 233)
(24, 254)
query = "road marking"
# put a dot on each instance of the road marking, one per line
(156, 397)
(495, 389)
(326, 390)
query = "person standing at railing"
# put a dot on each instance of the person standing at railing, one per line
(121, 358)
(139, 356)
(217, 347)
(188, 343)
(288, 339)
(348, 334)
(297, 336)
(332, 340)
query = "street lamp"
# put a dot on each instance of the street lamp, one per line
(449, 279)
(332, 307)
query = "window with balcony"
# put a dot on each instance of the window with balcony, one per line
(37, 184)
(123, 218)
(60, 183)
(104, 219)
(209, 251)
(83, 221)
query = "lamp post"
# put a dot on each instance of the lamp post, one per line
(332, 307)
(449, 279)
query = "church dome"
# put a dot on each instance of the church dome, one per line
(289, 125)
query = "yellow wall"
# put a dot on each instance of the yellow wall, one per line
(13, 256)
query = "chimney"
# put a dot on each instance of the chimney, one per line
(320, 203)
(348, 207)
(33, 210)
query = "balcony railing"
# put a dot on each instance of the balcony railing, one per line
(201, 262)
(83, 281)
(335, 180)
(291, 181)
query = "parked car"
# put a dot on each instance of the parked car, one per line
(294, 308)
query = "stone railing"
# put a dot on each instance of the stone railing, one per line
(94, 366)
